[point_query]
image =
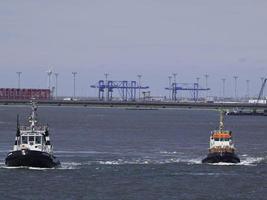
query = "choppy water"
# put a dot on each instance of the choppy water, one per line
(136, 154)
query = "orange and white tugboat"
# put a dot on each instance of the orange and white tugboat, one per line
(221, 145)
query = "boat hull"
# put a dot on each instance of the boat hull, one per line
(221, 157)
(30, 158)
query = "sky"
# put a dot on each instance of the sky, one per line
(123, 38)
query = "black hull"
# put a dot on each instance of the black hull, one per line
(221, 157)
(30, 158)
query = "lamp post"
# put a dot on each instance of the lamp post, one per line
(223, 88)
(139, 86)
(248, 82)
(49, 73)
(19, 74)
(56, 76)
(106, 85)
(174, 97)
(170, 85)
(206, 77)
(74, 84)
(197, 80)
(235, 78)
(197, 87)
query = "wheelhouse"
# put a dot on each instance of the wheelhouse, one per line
(31, 139)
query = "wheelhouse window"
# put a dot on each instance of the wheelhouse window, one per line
(24, 139)
(31, 138)
(38, 139)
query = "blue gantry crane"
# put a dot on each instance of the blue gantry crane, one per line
(194, 88)
(126, 89)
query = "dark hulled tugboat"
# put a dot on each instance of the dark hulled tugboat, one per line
(221, 145)
(32, 146)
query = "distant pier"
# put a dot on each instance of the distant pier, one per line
(139, 104)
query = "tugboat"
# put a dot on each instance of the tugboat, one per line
(221, 145)
(32, 146)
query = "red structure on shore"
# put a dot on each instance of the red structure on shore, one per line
(20, 94)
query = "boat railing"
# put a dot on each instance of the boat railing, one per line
(222, 149)
(36, 128)
(222, 131)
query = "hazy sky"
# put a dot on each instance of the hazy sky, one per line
(128, 37)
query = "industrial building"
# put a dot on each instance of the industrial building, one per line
(25, 94)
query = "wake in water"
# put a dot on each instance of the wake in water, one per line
(245, 161)
(151, 161)
(72, 165)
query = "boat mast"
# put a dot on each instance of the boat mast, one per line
(221, 126)
(33, 117)
(17, 138)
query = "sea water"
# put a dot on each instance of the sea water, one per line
(120, 154)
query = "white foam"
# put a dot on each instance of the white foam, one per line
(251, 161)
(204, 174)
(109, 162)
(38, 168)
(69, 165)
(195, 161)
(222, 164)
(24, 167)
(169, 153)
(6, 167)
(150, 161)
(247, 161)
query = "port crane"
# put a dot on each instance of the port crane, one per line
(261, 90)
(195, 88)
(126, 89)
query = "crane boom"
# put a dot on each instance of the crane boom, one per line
(261, 91)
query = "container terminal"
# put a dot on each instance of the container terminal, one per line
(133, 94)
